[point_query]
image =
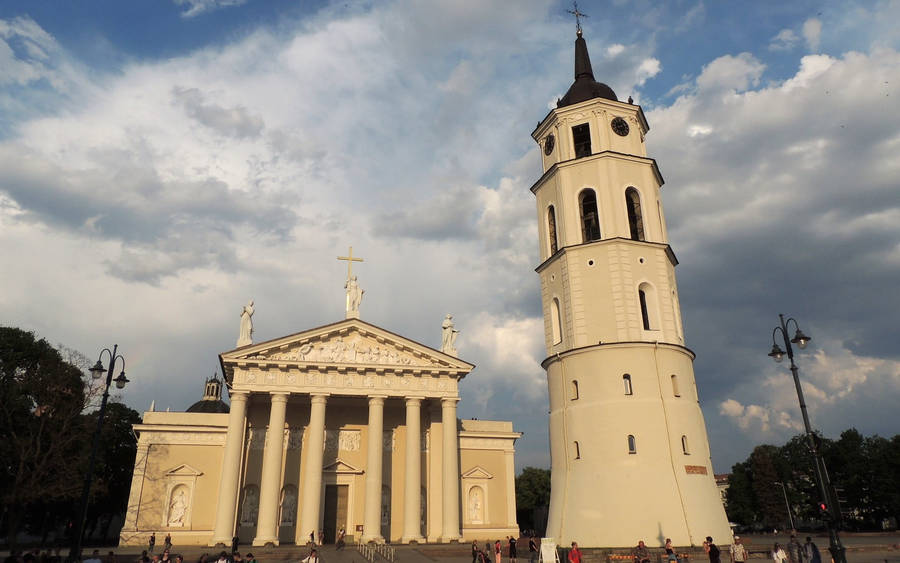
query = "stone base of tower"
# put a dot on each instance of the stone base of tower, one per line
(629, 451)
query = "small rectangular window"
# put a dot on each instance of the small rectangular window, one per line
(581, 140)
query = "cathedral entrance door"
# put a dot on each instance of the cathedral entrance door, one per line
(336, 497)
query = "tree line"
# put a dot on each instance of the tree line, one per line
(48, 416)
(865, 472)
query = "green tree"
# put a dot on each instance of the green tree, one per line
(41, 400)
(769, 501)
(740, 502)
(532, 492)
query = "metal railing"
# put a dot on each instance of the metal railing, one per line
(370, 550)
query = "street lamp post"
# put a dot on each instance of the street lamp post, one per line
(121, 380)
(822, 480)
(786, 503)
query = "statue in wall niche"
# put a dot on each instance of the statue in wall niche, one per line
(250, 508)
(448, 336)
(288, 507)
(245, 336)
(178, 508)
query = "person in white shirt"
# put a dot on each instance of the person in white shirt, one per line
(778, 554)
(313, 557)
(738, 551)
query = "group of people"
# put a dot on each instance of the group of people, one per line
(796, 552)
(147, 556)
(494, 554)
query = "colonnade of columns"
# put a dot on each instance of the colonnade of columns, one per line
(311, 480)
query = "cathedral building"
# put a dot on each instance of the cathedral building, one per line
(629, 452)
(344, 426)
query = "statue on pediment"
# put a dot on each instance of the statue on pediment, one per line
(245, 336)
(448, 336)
(354, 296)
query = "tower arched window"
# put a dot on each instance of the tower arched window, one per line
(649, 307)
(573, 390)
(626, 381)
(632, 446)
(675, 390)
(635, 216)
(684, 445)
(590, 217)
(555, 321)
(551, 229)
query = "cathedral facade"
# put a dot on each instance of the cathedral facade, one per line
(342, 427)
(629, 452)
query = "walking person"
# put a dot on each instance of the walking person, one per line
(167, 543)
(313, 557)
(235, 542)
(497, 551)
(532, 549)
(778, 554)
(715, 556)
(574, 553)
(151, 543)
(811, 552)
(512, 550)
(795, 550)
(738, 551)
(475, 551)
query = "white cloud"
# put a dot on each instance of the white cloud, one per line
(194, 8)
(731, 73)
(812, 33)
(785, 40)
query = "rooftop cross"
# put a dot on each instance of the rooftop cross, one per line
(578, 15)
(350, 260)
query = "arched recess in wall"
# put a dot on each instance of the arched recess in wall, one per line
(684, 445)
(573, 390)
(577, 449)
(590, 216)
(675, 390)
(632, 445)
(635, 214)
(551, 230)
(626, 382)
(649, 306)
(555, 321)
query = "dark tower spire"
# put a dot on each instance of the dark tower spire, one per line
(585, 86)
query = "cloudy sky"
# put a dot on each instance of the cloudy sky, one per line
(162, 163)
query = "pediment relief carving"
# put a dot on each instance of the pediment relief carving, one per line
(349, 348)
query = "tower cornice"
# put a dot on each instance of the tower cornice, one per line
(547, 122)
(598, 156)
(562, 251)
(631, 344)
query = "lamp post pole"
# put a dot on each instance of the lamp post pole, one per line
(786, 503)
(822, 480)
(96, 373)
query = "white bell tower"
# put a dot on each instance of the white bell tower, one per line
(629, 450)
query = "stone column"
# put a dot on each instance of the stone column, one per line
(270, 482)
(374, 457)
(412, 497)
(231, 470)
(311, 498)
(450, 476)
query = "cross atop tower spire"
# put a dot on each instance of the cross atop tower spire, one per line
(578, 15)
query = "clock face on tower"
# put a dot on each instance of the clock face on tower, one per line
(549, 144)
(620, 126)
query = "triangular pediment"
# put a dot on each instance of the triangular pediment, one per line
(477, 472)
(183, 470)
(351, 342)
(340, 466)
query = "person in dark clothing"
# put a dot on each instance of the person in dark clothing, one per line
(512, 550)
(713, 550)
(532, 550)
(235, 541)
(811, 551)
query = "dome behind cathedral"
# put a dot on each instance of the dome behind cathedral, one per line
(212, 398)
